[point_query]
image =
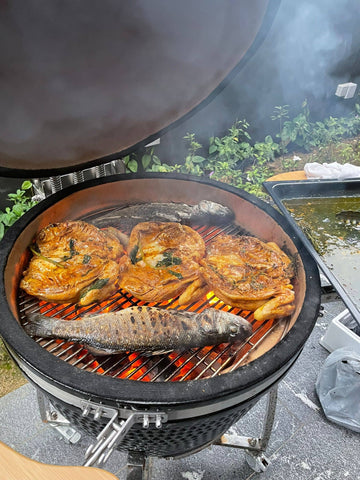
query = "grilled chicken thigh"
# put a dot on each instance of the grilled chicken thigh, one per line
(73, 262)
(247, 273)
(163, 262)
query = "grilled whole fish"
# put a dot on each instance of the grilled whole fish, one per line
(146, 329)
(127, 217)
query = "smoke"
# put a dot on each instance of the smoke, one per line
(310, 49)
(312, 44)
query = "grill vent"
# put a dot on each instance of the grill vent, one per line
(172, 439)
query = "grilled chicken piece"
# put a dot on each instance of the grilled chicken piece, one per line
(73, 262)
(163, 262)
(247, 273)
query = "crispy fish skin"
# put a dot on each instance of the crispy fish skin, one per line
(147, 329)
(205, 211)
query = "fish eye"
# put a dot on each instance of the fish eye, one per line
(233, 330)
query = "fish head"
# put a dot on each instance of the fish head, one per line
(214, 212)
(238, 327)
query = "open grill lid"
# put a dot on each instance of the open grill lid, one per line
(82, 80)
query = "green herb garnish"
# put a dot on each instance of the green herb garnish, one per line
(176, 274)
(95, 285)
(86, 259)
(36, 251)
(168, 260)
(72, 250)
(133, 255)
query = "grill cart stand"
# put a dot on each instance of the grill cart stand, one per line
(138, 464)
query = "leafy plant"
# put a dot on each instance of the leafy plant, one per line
(346, 152)
(136, 162)
(5, 360)
(22, 203)
(232, 148)
(279, 114)
(193, 161)
(298, 130)
(234, 159)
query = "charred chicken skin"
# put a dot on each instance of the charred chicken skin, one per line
(247, 273)
(163, 262)
(73, 262)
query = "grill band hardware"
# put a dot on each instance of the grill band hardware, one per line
(255, 447)
(113, 433)
(52, 417)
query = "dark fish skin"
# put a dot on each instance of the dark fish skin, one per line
(204, 212)
(145, 329)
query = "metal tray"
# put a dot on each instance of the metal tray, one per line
(286, 190)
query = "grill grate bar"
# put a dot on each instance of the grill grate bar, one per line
(167, 367)
(47, 342)
(140, 367)
(70, 357)
(210, 365)
(129, 364)
(256, 344)
(189, 357)
(114, 364)
(152, 368)
(201, 360)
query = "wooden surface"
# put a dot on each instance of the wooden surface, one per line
(14, 466)
(296, 175)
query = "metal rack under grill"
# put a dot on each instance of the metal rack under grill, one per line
(193, 364)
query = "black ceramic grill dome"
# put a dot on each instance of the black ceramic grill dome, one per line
(85, 80)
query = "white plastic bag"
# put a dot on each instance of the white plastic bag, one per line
(338, 388)
(333, 170)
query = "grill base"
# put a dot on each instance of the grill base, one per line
(176, 439)
(172, 440)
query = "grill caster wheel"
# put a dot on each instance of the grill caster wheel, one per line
(259, 463)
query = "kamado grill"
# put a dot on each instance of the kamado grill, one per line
(170, 404)
(195, 396)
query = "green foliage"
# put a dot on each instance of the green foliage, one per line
(231, 149)
(234, 159)
(345, 152)
(309, 135)
(231, 159)
(22, 203)
(5, 361)
(136, 163)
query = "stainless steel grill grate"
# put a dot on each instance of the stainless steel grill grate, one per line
(193, 364)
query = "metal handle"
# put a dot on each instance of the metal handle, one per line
(113, 433)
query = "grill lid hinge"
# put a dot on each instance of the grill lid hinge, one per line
(113, 433)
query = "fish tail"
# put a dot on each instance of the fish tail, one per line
(39, 326)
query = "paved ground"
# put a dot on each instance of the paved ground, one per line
(304, 445)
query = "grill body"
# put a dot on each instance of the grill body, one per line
(199, 411)
(173, 439)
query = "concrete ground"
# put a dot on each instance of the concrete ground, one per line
(304, 445)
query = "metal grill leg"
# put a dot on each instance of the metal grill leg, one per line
(57, 421)
(138, 466)
(255, 447)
